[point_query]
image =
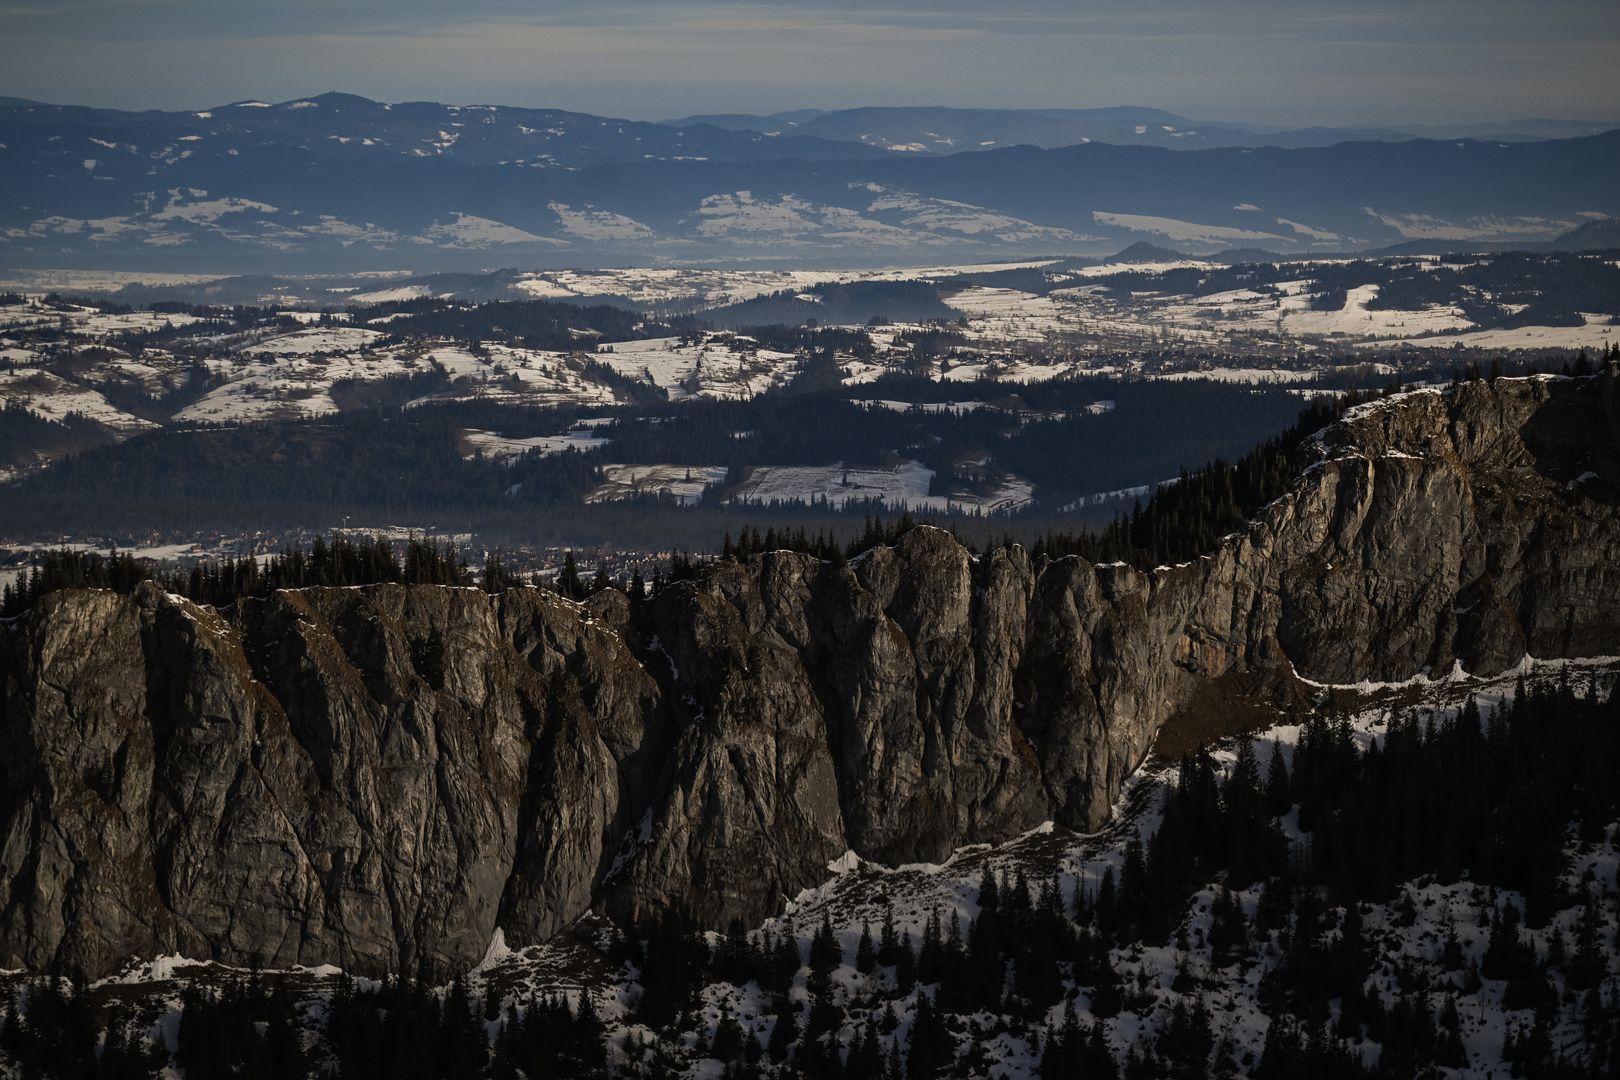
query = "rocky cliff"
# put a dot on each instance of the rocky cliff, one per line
(380, 777)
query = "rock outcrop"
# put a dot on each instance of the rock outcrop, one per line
(380, 777)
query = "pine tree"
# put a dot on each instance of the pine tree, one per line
(905, 965)
(888, 941)
(1279, 796)
(931, 957)
(728, 1039)
(932, 1046)
(825, 952)
(866, 956)
(784, 1032)
(568, 581)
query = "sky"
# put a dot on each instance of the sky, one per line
(1281, 62)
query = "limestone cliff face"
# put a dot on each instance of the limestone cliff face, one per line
(379, 777)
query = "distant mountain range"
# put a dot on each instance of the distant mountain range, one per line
(339, 181)
(949, 131)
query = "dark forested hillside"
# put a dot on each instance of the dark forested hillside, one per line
(406, 464)
(855, 303)
(535, 324)
(409, 464)
(24, 435)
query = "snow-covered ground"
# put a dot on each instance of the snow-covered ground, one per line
(901, 487)
(1103, 498)
(904, 486)
(582, 436)
(931, 407)
(87, 321)
(1003, 316)
(518, 376)
(1356, 319)
(1597, 332)
(684, 484)
(712, 368)
(1251, 375)
(318, 339)
(658, 287)
(311, 317)
(668, 287)
(294, 380)
(1084, 313)
(54, 398)
(388, 295)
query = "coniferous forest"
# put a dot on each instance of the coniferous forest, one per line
(389, 462)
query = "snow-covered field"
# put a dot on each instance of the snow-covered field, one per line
(1355, 319)
(319, 339)
(904, 486)
(711, 368)
(54, 398)
(1598, 332)
(582, 436)
(901, 487)
(298, 381)
(684, 484)
(1250, 375)
(665, 287)
(669, 287)
(1084, 314)
(518, 376)
(388, 295)
(1286, 310)
(1103, 498)
(87, 321)
(293, 383)
(464, 230)
(931, 407)
(1002, 316)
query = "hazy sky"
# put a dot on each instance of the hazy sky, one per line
(1273, 61)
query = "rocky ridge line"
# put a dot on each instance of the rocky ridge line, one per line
(380, 777)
